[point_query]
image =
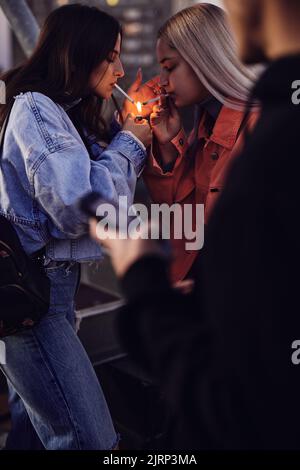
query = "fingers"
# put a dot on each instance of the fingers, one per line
(158, 111)
(156, 119)
(136, 85)
(158, 114)
(141, 122)
(147, 110)
(127, 108)
(172, 109)
(129, 116)
(163, 102)
(138, 81)
(97, 232)
(93, 227)
(132, 117)
(172, 105)
(185, 287)
(118, 117)
(154, 84)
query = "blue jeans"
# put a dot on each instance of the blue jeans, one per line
(55, 397)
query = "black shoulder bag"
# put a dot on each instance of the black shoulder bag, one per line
(24, 285)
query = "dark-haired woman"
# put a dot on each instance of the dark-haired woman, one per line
(56, 149)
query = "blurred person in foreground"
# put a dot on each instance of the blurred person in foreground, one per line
(224, 356)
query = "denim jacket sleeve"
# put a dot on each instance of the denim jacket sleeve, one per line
(62, 171)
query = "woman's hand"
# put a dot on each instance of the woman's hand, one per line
(165, 121)
(125, 251)
(142, 93)
(184, 287)
(140, 129)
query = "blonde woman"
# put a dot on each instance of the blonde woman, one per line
(199, 66)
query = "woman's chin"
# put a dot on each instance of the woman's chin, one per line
(176, 101)
(104, 95)
(182, 103)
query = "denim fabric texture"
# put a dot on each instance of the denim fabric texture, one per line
(41, 147)
(55, 397)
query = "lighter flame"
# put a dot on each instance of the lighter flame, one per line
(139, 107)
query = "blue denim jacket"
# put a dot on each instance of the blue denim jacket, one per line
(45, 169)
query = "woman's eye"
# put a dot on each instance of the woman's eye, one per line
(169, 69)
(111, 59)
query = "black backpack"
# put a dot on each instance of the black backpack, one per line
(24, 285)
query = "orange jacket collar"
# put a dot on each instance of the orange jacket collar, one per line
(226, 127)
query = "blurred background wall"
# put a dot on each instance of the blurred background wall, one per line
(140, 19)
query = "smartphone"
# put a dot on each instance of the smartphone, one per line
(116, 217)
(89, 204)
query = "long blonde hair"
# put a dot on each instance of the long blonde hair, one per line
(202, 36)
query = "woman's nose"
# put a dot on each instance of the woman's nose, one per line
(163, 79)
(119, 72)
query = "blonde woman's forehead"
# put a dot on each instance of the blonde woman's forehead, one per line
(203, 40)
(164, 52)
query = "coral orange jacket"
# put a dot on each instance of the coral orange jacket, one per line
(197, 179)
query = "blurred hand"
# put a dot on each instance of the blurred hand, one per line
(185, 287)
(142, 93)
(124, 252)
(140, 129)
(165, 120)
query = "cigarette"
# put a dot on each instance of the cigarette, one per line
(124, 93)
(153, 100)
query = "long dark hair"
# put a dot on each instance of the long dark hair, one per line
(74, 40)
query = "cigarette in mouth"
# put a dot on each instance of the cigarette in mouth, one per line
(124, 93)
(153, 100)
